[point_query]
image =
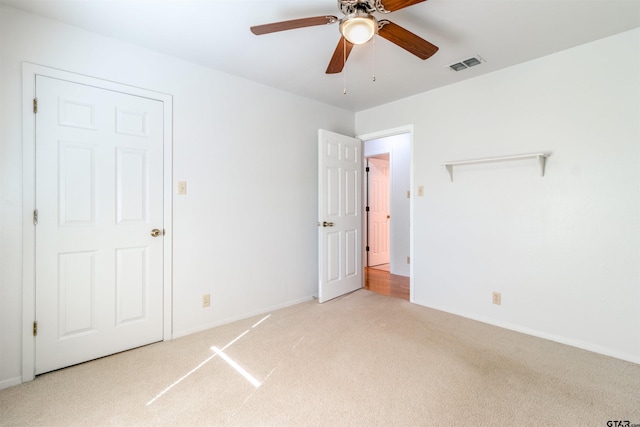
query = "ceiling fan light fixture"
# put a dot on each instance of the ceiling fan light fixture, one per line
(359, 27)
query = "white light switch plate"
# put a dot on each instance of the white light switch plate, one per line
(182, 187)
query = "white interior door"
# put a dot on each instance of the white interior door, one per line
(379, 211)
(99, 194)
(339, 215)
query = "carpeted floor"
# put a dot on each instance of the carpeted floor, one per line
(361, 360)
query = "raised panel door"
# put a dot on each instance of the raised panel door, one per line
(99, 192)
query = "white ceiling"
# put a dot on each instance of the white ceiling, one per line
(215, 33)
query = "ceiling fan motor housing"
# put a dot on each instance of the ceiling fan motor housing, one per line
(349, 7)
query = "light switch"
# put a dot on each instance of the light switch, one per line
(182, 187)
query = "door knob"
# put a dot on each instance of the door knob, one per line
(155, 232)
(327, 224)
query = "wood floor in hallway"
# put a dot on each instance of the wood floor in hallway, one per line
(381, 281)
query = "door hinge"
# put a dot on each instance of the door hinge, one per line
(35, 217)
(35, 105)
(366, 169)
(367, 248)
(35, 328)
(366, 208)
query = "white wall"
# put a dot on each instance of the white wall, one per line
(563, 250)
(399, 149)
(246, 232)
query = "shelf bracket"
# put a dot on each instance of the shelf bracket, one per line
(450, 170)
(542, 160)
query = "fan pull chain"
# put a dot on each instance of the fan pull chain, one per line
(373, 49)
(344, 65)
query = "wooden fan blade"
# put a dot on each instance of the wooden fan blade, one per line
(292, 24)
(340, 56)
(407, 40)
(393, 5)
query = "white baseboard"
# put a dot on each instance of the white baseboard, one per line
(178, 334)
(595, 348)
(10, 382)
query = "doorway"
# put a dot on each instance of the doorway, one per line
(387, 206)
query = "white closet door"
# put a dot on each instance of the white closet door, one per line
(99, 195)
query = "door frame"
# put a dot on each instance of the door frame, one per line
(29, 72)
(407, 129)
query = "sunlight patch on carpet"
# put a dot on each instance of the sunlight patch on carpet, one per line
(261, 320)
(218, 352)
(239, 369)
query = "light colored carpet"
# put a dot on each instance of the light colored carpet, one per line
(361, 360)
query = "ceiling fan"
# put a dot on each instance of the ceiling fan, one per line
(358, 26)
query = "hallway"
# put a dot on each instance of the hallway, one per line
(379, 280)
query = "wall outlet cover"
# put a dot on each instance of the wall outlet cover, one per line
(497, 298)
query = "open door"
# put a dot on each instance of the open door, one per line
(378, 215)
(339, 215)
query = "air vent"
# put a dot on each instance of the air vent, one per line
(467, 63)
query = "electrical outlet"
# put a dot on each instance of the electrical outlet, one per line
(206, 300)
(497, 298)
(182, 187)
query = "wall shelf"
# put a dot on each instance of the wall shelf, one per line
(542, 158)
